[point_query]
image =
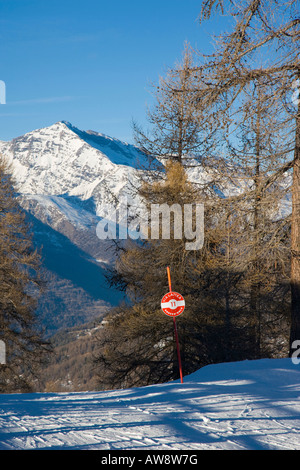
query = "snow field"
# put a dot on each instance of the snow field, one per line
(248, 405)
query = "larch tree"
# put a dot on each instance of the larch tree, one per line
(136, 345)
(20, 286)
(263, 232)
(263, 48)
(178, 128)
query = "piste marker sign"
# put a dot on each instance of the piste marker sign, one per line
(172, 304)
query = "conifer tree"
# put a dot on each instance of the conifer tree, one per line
(20, 286)
(178, 129)
(263, 48)
(136, 346)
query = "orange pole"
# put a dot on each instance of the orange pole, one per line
(169, 279)
(175, 329)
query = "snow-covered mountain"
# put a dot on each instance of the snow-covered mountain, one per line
(64, 176)
(61, 159)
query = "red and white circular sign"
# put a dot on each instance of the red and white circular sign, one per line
(172, 304)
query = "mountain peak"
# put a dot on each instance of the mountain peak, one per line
(117, 151)
(69, 125)
(66, 123)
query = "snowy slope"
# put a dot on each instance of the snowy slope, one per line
(249, 405)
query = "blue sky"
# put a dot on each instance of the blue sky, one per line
(90, 62)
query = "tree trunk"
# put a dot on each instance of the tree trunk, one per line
(255, 286)
(295, 238)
